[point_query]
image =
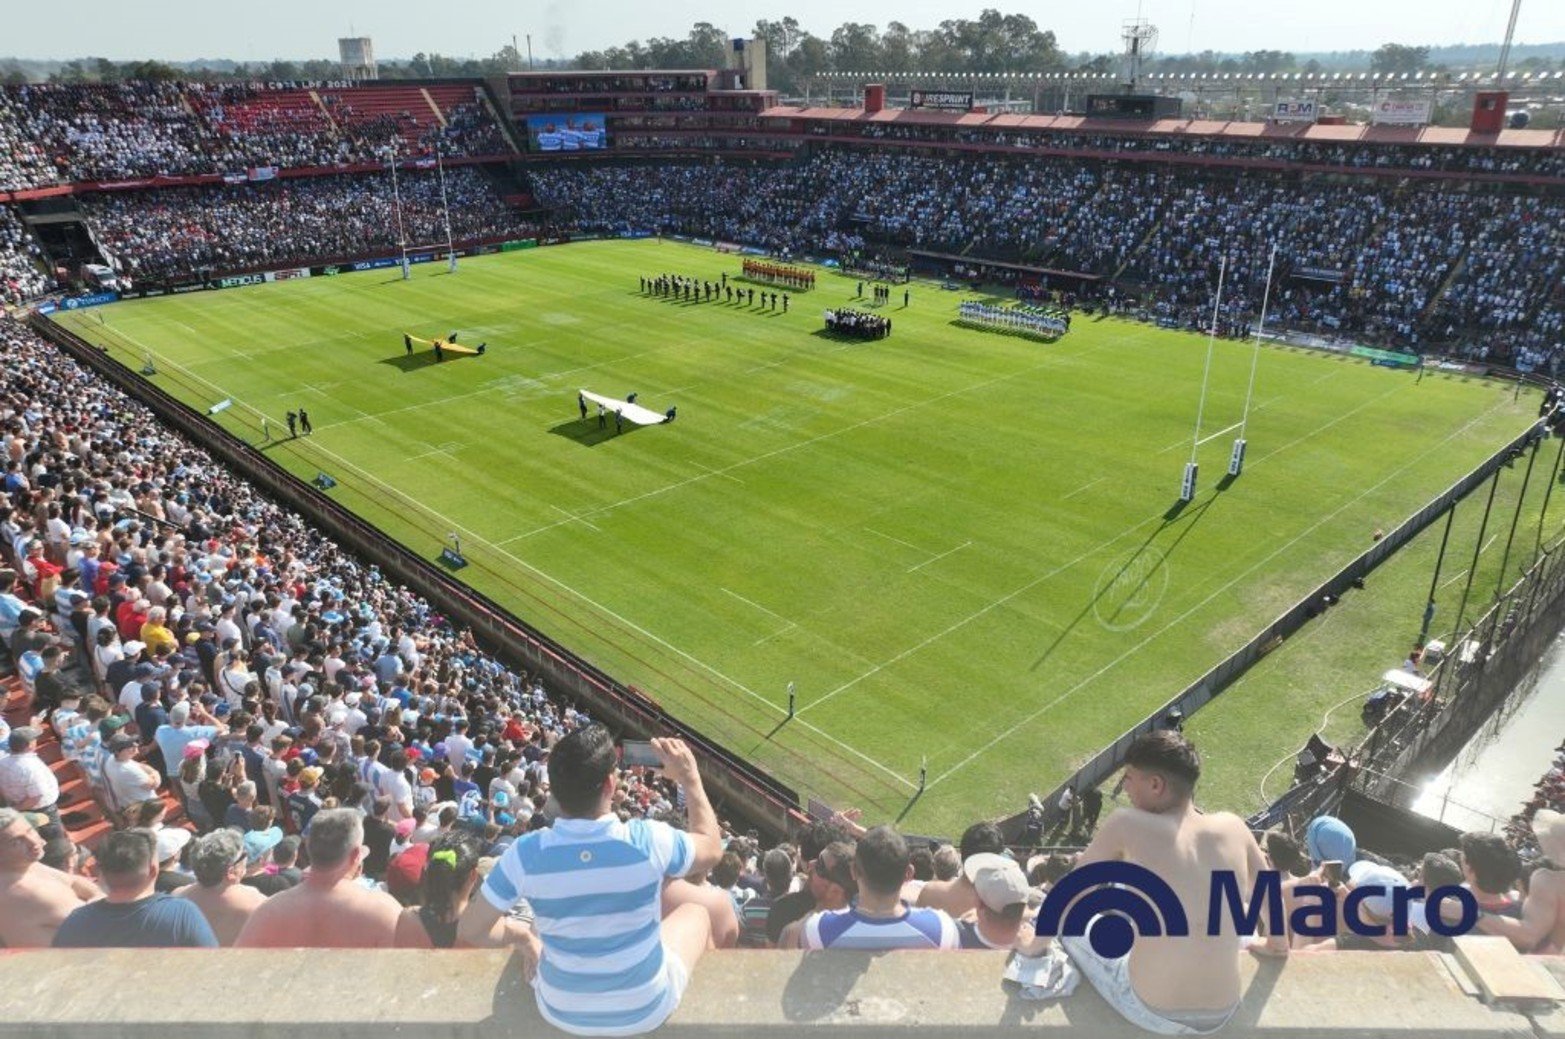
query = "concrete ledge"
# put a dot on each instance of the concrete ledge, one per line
(176, 994)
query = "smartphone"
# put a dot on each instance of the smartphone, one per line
(1331, 872)
(638, 754)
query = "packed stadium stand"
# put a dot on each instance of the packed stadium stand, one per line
(172, 232)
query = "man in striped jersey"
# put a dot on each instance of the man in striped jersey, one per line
(607, 964)
(878, 919)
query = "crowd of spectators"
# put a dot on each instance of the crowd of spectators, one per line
(177, 232)
(60, 132)
(22, 264)
(1538, 162)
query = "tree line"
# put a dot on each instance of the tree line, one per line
(994, 42)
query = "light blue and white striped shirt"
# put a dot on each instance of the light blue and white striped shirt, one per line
(595, 887)
(917, 928)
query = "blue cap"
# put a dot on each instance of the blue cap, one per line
(259, 842)
(1328, 838)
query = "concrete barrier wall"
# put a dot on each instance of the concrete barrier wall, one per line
(323, 994)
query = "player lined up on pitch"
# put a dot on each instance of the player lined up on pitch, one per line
(699, 290)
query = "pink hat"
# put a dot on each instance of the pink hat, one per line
(196, 748)
(404, 829)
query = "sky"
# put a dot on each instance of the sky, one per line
(181, 30)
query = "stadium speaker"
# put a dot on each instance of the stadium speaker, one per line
(1489, 111)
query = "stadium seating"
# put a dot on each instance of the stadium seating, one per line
(62, 132)
(175, 232)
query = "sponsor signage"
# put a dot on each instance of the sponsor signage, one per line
(1401, 113)
(942, 100)
(1385, 358)
(289, 275)
(236, 280)
(262, 172)
(93, 299)
(373, 265)
(1111, 904)
(47, 308)
(1295, 112)
(1320, 274)
(197, 287)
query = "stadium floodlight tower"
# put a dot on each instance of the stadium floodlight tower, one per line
(1140, 38)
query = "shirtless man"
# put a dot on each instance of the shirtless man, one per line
(1542, 926)
(219, 863)
(329, 908)
(33, 897)
(1164, 981)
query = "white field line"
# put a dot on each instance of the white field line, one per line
(751, 602)
(1460, 574)
(573, 516)
(1082, 488)
(443, 449)
(899, 541)
(936, 559)
(787, 625)
(716, 472)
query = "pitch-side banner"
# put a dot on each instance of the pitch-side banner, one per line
(1295, 112)
(1401, 113)
(944, 100)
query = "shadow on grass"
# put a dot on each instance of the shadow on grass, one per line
(588, 434)
(1002, 330)
(418, 359)
(843, 337)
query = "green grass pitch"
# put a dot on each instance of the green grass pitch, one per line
(953, 542)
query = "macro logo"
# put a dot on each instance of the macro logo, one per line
(1113, 903)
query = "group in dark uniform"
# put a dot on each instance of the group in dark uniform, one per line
(857, 324)
(699, 290)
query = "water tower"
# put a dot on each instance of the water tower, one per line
(358, 57)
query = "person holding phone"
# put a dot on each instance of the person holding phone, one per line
(612, 951)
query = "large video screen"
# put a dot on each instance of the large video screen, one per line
(567, 132)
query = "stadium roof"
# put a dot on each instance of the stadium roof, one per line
(1319, 132)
